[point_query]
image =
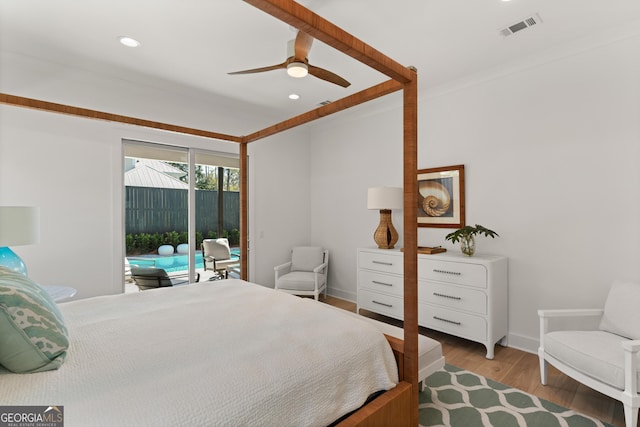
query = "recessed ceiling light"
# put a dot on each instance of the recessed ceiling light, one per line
(294, 96)
(129, 42)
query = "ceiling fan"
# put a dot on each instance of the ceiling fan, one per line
(297, 64)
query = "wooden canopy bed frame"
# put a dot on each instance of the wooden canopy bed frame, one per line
(398, 406)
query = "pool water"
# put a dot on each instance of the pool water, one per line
(170, 263)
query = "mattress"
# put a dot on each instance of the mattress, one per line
(430, 357)
(208, 354)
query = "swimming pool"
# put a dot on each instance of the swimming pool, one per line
(170, 263)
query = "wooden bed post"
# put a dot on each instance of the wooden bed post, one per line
(244, 206)
(410, 127)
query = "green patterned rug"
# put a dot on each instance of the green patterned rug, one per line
(455, 397)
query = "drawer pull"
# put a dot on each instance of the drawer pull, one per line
(447, 296)
(381, 303)
(455, 273)
(382, 262)
(446, 320)
(381, 283)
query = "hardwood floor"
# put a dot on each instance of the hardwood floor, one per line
(515, 368)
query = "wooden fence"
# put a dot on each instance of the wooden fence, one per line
(159, 210)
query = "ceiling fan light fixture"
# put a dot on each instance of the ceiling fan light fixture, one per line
(297, 69)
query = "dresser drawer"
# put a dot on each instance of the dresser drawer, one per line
(460, 324)
(386, 263)
(452, 272)
(455, 297)
(380, 303)
(381, 282)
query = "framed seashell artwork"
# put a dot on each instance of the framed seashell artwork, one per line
(441, 197)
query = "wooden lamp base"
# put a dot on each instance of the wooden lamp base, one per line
(386, 235)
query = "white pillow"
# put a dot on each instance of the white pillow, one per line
(622, 310)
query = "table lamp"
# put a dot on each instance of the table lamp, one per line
(19, 225)
(385, 199)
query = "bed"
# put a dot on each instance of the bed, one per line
(398, 406)
(224, 353)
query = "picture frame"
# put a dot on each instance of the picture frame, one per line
(441, 197)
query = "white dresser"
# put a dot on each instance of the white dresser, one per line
(458, 295)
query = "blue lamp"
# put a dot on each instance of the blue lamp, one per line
(19, 225)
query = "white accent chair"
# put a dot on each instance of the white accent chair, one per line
(604, 353)
(306, 273)
(216, 256)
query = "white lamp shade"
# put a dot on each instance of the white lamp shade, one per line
(19, 225)
(384, 198)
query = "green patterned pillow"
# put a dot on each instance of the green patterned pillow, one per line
(33, 337)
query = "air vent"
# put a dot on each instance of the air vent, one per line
(324, 103)
(521, 25)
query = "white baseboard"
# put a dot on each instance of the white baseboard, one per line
(345, 295)
(524, 343)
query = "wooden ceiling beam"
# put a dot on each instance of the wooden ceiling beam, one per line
(363, 96)
(319, 28)
(37, 104)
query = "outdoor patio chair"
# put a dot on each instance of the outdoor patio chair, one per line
(153, 278)
(216, 256)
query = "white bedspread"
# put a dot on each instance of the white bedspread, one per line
(210, 354)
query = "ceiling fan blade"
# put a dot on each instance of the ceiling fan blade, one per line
(327, 75)
(262, 69)
(302, 45)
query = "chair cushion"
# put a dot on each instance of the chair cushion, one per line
(298, 281)
(598, 354)
(33, 336)
(148, 277)
(217, 248)
(306, 258)
(621, 314)
(149, 271)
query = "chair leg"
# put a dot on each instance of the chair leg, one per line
(544, 368)
(630, 416)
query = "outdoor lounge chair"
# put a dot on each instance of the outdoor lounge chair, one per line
(152, 278)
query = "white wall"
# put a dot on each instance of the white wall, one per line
(349, 154)
(551, 157)
(279, 201)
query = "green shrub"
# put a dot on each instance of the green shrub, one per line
(172, 238)
(146, 243)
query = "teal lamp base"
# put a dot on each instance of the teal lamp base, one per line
(10, 260)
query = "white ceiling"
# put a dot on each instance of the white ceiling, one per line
(193, 44)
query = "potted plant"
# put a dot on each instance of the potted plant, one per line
(466, 237)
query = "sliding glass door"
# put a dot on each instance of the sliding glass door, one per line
(174, 198)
